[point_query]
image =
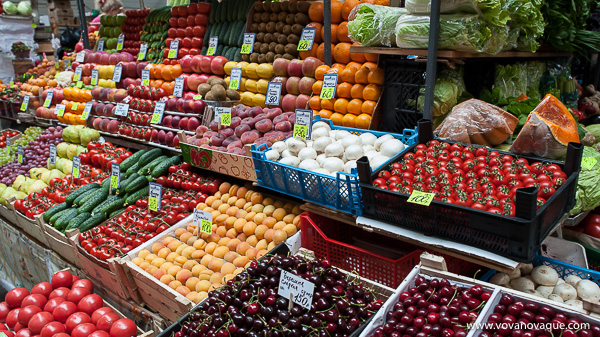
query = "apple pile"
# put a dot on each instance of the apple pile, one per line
(188, 26)
(254, 125)
(65, 306)
(200, 68)
(186, 104)
(297, 78)
(134, 22)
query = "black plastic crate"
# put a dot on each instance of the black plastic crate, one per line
(516, 237)
(404, 84)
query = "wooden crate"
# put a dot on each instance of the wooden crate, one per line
(59, 4)
(21, 66)
(30, 226)
(8, 214)
(45, 47)
(59, 242)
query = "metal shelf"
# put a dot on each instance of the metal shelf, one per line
(453, 54)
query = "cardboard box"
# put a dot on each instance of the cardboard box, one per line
(30, 226)
(59, 242)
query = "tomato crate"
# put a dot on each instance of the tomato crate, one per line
(340, 192)
(351, 248)
(518, 237)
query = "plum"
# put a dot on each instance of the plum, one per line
(241, 129)
(264, 125)
(283, 126)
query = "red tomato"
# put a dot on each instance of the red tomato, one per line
(63, 311)
(591, 225)
(123, 328)
(38, 321)
(53, 303)
(24, 333)
(52, 329)
(4, 310)
(62, 279)
(12, 318)
(77, 319)
(34, 299)
(98, 313)
(59, 292)
(83, 283)
(44, 288)
(106, 322)
(76, 294)
(99, 333)
(90, 303)
(83, 330)
(26, 313)
(15, 297)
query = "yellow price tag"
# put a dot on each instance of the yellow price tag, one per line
(145, 82)
(94, 81)
(155, 118)
(74, 106)
(588, 163)
(300, 131)
(153, 203)
(197, 97)
(114, 182)
(206, 227)
(172, 53)
(210, 51)
(84, 115)
(23, 106)
(303, 45)
(226, 119)
(79, 84)
(234, 84)
(47, 102)
(75, 172)
(245, 49)
(421, 198)
(326, 93)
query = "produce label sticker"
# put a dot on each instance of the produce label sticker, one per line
(225, 116)
(307, 39)
(273, 93)
(48, 99)
(86, 111)
(178, 90)
(213, 42)
(76, 166)
(197, 97)
(25, 103)
(100, 45)
(329, 86)
(588, 163)
(145, 77)
(115, 175)
(303, 124)
(77, 76)
(20, 153)
(11, 84)
(236, 77)
(68, 64)
(157, 115)
(79, 84)
(80, 57)
(173, 49)
(299, 290)
(120, 41)
(117, 73)
(60, 110)
(142, 53)
(53, 154)
(74, 106)
(203, 220)
(94, 77)
(421, 198)
(248, 46)
(154, 197)
(57, 65)
(122, 109)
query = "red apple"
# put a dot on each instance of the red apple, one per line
(205, 64)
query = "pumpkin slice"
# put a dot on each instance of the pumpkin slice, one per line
(548, 130)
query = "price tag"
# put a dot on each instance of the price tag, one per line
(122, 109)
(79, 84)
(76, 166)
(77, 76)
(273, 93)
(203, 220)
(20, 154)
(12, 84)
(173, 49)
(178, 90)
(248, 46)
(236, 77)
(157, 116)
(329, 86)
(303, 124)
(8, 143)
(60, 110)
(120, 41)
(307, 39)
(94, 77)
(68, 64)
(197, 97)
(154, 197)
(25, 103)
(86, 111)
(142, 53)
(80, 57)
(53, 154)
(100, 45)
(421, 198)
(115, 175)
(48, 99)
(224, 114)
(212, 45)
(145, 77)
(74, 106)
(588, 163)
(299, 290)
(57, 65)
(117, 73)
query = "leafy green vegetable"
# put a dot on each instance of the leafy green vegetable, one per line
(587, 196)
(491, 10)
(375, 25)
(512, 79)
(449, 87)
(566, 26)
(527, 21)
(520, 109)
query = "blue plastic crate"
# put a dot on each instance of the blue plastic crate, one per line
(562, 268)
(341, 192)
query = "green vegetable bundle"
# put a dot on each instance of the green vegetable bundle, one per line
(587, 196)
(566, 26)
(375, 25)
(449, 87)
(491, 10)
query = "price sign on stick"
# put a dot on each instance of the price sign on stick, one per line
(248, 45)
(53, 154)
(94, 76)
(154, 197)
(303, 124)
(157, 115)
(145, 77)
(213, 43)
(203, 220)
(178, 90)
(173, 49)
(307, 39)
(60, 110)
(25, 103)
(115, 175)
(80, 57)
(329, 86)
(20, 154)
(77, 75)
(120, 41)
(122, 109)
(273, 93)
(117, 73)
(48, 99)
(293, 287)
(76, 166)
(143, 50)
(224, 114)
(86, 111)
(236, 77)
(100, 45)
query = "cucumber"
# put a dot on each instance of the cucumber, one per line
(57, 216)
(124, 183)
(106, 183)
(106, 202)
(149, 156)
(140, 194)
(53, 210)
(145, 170)
(92, 222)
(82, 198)
(133, 169)
(62, 222)
(136, 184)
(71, 198)
(117, 212)
(109, 207)
(131, 160)
(89, 205)
(163, 167)
(77, 221)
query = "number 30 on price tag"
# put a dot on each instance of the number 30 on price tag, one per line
(203, 220)
(154, 197)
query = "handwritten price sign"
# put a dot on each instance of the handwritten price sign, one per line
(248, 45)
(329, 86)
(203, 220)
(303, 124)
(421, 198)
(154, 197)
(307, 39)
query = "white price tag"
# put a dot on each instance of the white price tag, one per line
(307, 39)
(145, 77)
(25, 103)
(173, 49)
(77, 75)
(76, 166)
(293, 287)
(100, 45)
(143, 50)
(94, 77)
(213, 42)
(20, 153)
(157, 115)
(219, 111)
(53, 154)
(122, 109)
(303, 124)
(86, 111)
(117, 73)
(60, 110)
(203, 220)
(154, 196)
(248, 44)
(48, 100)
(273, 93)
(120, 41)
(329, 86)
(178, 90)
(235, 79)
(80, 57)
(115, 175)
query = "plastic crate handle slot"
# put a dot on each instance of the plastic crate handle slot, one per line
(574, 156)
(526, 203)
(425, 127)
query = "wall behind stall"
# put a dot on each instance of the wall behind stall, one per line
(89, 5)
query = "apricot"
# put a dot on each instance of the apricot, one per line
(271, 246)
(144, 265)
(220, 252)
(156, 247)
(210, 200)
(241, 192)
(163, 253)
(175, 284)
(200, 297)
(216, 204)
(259, 218)
(173, 245)
(258, 208)
(150, 257)
(290, 229)
(180, 249)
(232, 200)
(158, 262)
(230, 221)
(296, 210)
(248, 195)
(137, 261)
(215, 265)
(269, 222)
(242, 237)
(191, 240)
(223, 209)
(199, 244)
(185, 236)
(179, 232)
(260, 231)
(269, 234)
(232, 244)
(165, 266)
(197, 269)
(231, 233)
(198, 254)
(167, 240)
(166, 279)
(230, 256)
(202, 285)
(183, 275)
(279, 214)
(261, 253)
(224, 188)
(180, 261)
(210, 248)
(191, 295)
(241, 261)
(252, 240)
(242, 248)
(249, 216)
(288, 218)
(237, 271)
(216, 278)
(201, 206)
(279, 236)
(159, 273)
(215, 286)
(240, 203)
(192, 282)
(268, 210)
(206, 259)
(151, 269)
(190, 264)
(268, 201)
(213, 237)
(174, 270)
(249, 228)
(241, 214)
(296, 221)
(248, 207)
(221, 232)
(256, 198)
(227, 268)
(251, 253)
(224, 198)
(143, 253)
(223, 241)
(262, 244)
(187, 252)
(238, 225)
(279, 225)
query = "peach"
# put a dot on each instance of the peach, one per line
(156, 247)
(175, 284)
(220, 252)
(242, 248)
(230, 256)
(159, 273)
(241, 261)
(183, 275)
(166, 279)
(174, 270)
(202, 285)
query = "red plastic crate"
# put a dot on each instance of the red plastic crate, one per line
(336, 241)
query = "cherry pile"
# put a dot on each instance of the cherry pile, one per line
(434, 308)
(248, 305)
(510, 311)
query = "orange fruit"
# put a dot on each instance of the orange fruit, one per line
(357, 57)
(165, 73)
(315, 103)
(348, 74)
(341, 53)
(343, 90)
(336, 13)
(355, 106)
(368, 107)
(321, 71)
(309, 53)
(328, 103)
(372, 92)
(342, 32)
(376, 76)
(316, 87)
(354, 65)
(362, 76)
(321, 51)
(319, 27)
(347, 8)
(349, 120)
(341, 105)
(370, 65)
(363, 121)
(372, 57)
(156, 71)
(315, 12)
(176, 71)
(336, 118)
(325, 113)
(334, 28)
(356, 91)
